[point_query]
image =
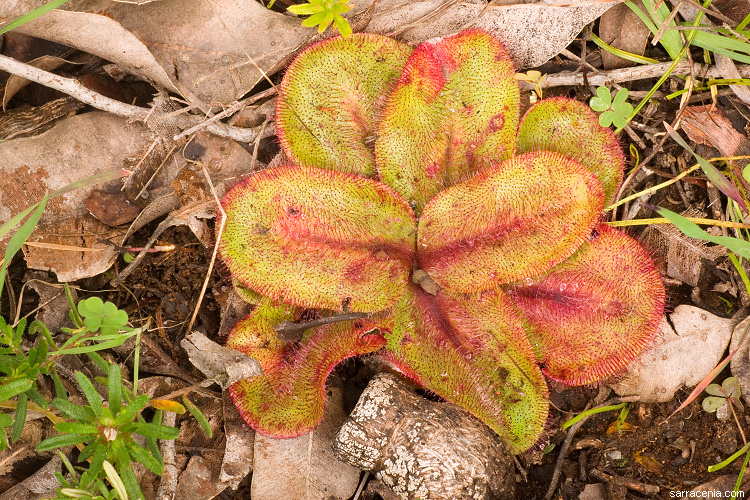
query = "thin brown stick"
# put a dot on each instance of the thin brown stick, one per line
(75, 89)
(292, 332)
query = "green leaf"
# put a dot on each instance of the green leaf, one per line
(712, 403)
(342, 25)
(93, 397)
(125, 470)
(19, 418)
(198, 415)
(19, 238)
(115, 480)
(603, 100)
(156, 431)
(30, 16)
(14, 387)
(71, 410)
(305, 9)
(689, 228)
(5, 420)
(115, 388)
(61, 441)
(76, 427)
(127, 413)
(717, 178)
(141, 455)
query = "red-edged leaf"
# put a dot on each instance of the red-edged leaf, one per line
(319, 238)
(472, 352)
(592, 315)
(454, 110)
(511, 221)
(337, 87)
(571, 128)
(288, 399)
(256, 337)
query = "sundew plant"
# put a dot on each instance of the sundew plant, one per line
(469, 238)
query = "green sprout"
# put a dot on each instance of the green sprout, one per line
(615, 110)
(324, 12)
(107, 429)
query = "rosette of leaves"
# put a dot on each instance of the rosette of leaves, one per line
(469, 237)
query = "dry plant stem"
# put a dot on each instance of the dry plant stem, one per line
(292, 332)
(568, 78)
(168, 483)
(74, 88)
(213, 255)
(561, 458)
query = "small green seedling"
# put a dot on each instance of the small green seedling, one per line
(536, 78)
(615, 110)
(324, 12)
(108, 429)
(721, 397)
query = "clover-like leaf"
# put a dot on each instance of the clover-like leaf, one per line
(613, 111)
(592, 315)
(722, 396)
(602, 101)
(331, 100)
(569, 127)
(472, 352)
(512, 221)
(289, 398)
(454, 111)
(319, 238)
(102, 316)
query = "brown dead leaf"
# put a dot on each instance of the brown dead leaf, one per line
(16, 83)
(704, 125)
(621, 28)
(112, 209)
(305, 467)
(75, 148)
(647, 462)
(102, 36)
(532, 32)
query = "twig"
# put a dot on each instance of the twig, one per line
(168, 483)
(292, 332)
(74, 88)
(642, 488)
(561, 457)
(568, 78)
